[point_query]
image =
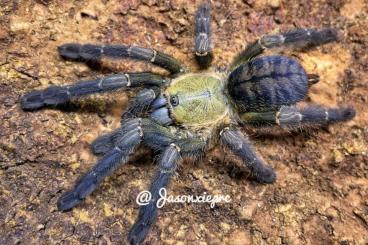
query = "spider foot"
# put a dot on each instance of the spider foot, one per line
(265, 175)
(105, 143)
(84, 187)
(88, 52)
(40, 98)
(138, 233)
(70, 51)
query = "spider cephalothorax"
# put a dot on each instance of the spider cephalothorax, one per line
(187, 113)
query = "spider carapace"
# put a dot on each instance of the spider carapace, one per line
(195, 100)
(185, 113)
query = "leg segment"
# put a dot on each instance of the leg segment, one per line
(241, 146)
(293, 117)
(299, 38)
(158, 138)
(94, 54)
(56, 95)
(161, 138)
(140, 103)
(203, 49)
(131, 137)
(106, 142)
(148, 213)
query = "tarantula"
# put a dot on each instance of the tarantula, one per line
(186, 113)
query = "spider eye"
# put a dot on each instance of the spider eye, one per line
(174, 100)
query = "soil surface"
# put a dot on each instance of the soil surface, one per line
(321, 193)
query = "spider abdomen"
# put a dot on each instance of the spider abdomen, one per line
(266, 83)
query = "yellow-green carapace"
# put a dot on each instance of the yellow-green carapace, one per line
(197, 99)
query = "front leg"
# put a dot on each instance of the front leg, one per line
(241, 146)
(56, 95)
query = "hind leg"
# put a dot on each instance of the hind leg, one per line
(294, 117)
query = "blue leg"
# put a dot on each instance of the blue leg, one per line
(202, 41)
(170, 144)
(148, 213)
(56, 95)
(141, 102)
(299, 38)
(295, 117)
(94, 53)
(241, 146)
(139, 105)
(292, 117)
(131, 137)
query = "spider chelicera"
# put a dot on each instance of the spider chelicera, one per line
(187, 113)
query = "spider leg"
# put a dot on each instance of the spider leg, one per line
(202, 41)
(105, 143)
(131, 137)
(159, 137)
(148, 213)
(241, 146)
(141, 102)
(299, 38)
(293, 117)
(56, 95)
(94, 53)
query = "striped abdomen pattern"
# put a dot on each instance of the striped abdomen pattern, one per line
(266, 83)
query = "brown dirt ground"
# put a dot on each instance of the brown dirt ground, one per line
(321, 193)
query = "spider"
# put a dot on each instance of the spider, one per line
(186, 113)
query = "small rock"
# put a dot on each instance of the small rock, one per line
(338, 156)
(274, 3)
(361, 214)
(17, 25)
(40, 227)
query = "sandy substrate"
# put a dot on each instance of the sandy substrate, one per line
(321, 193)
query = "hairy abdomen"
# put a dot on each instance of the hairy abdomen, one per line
(266, 83)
